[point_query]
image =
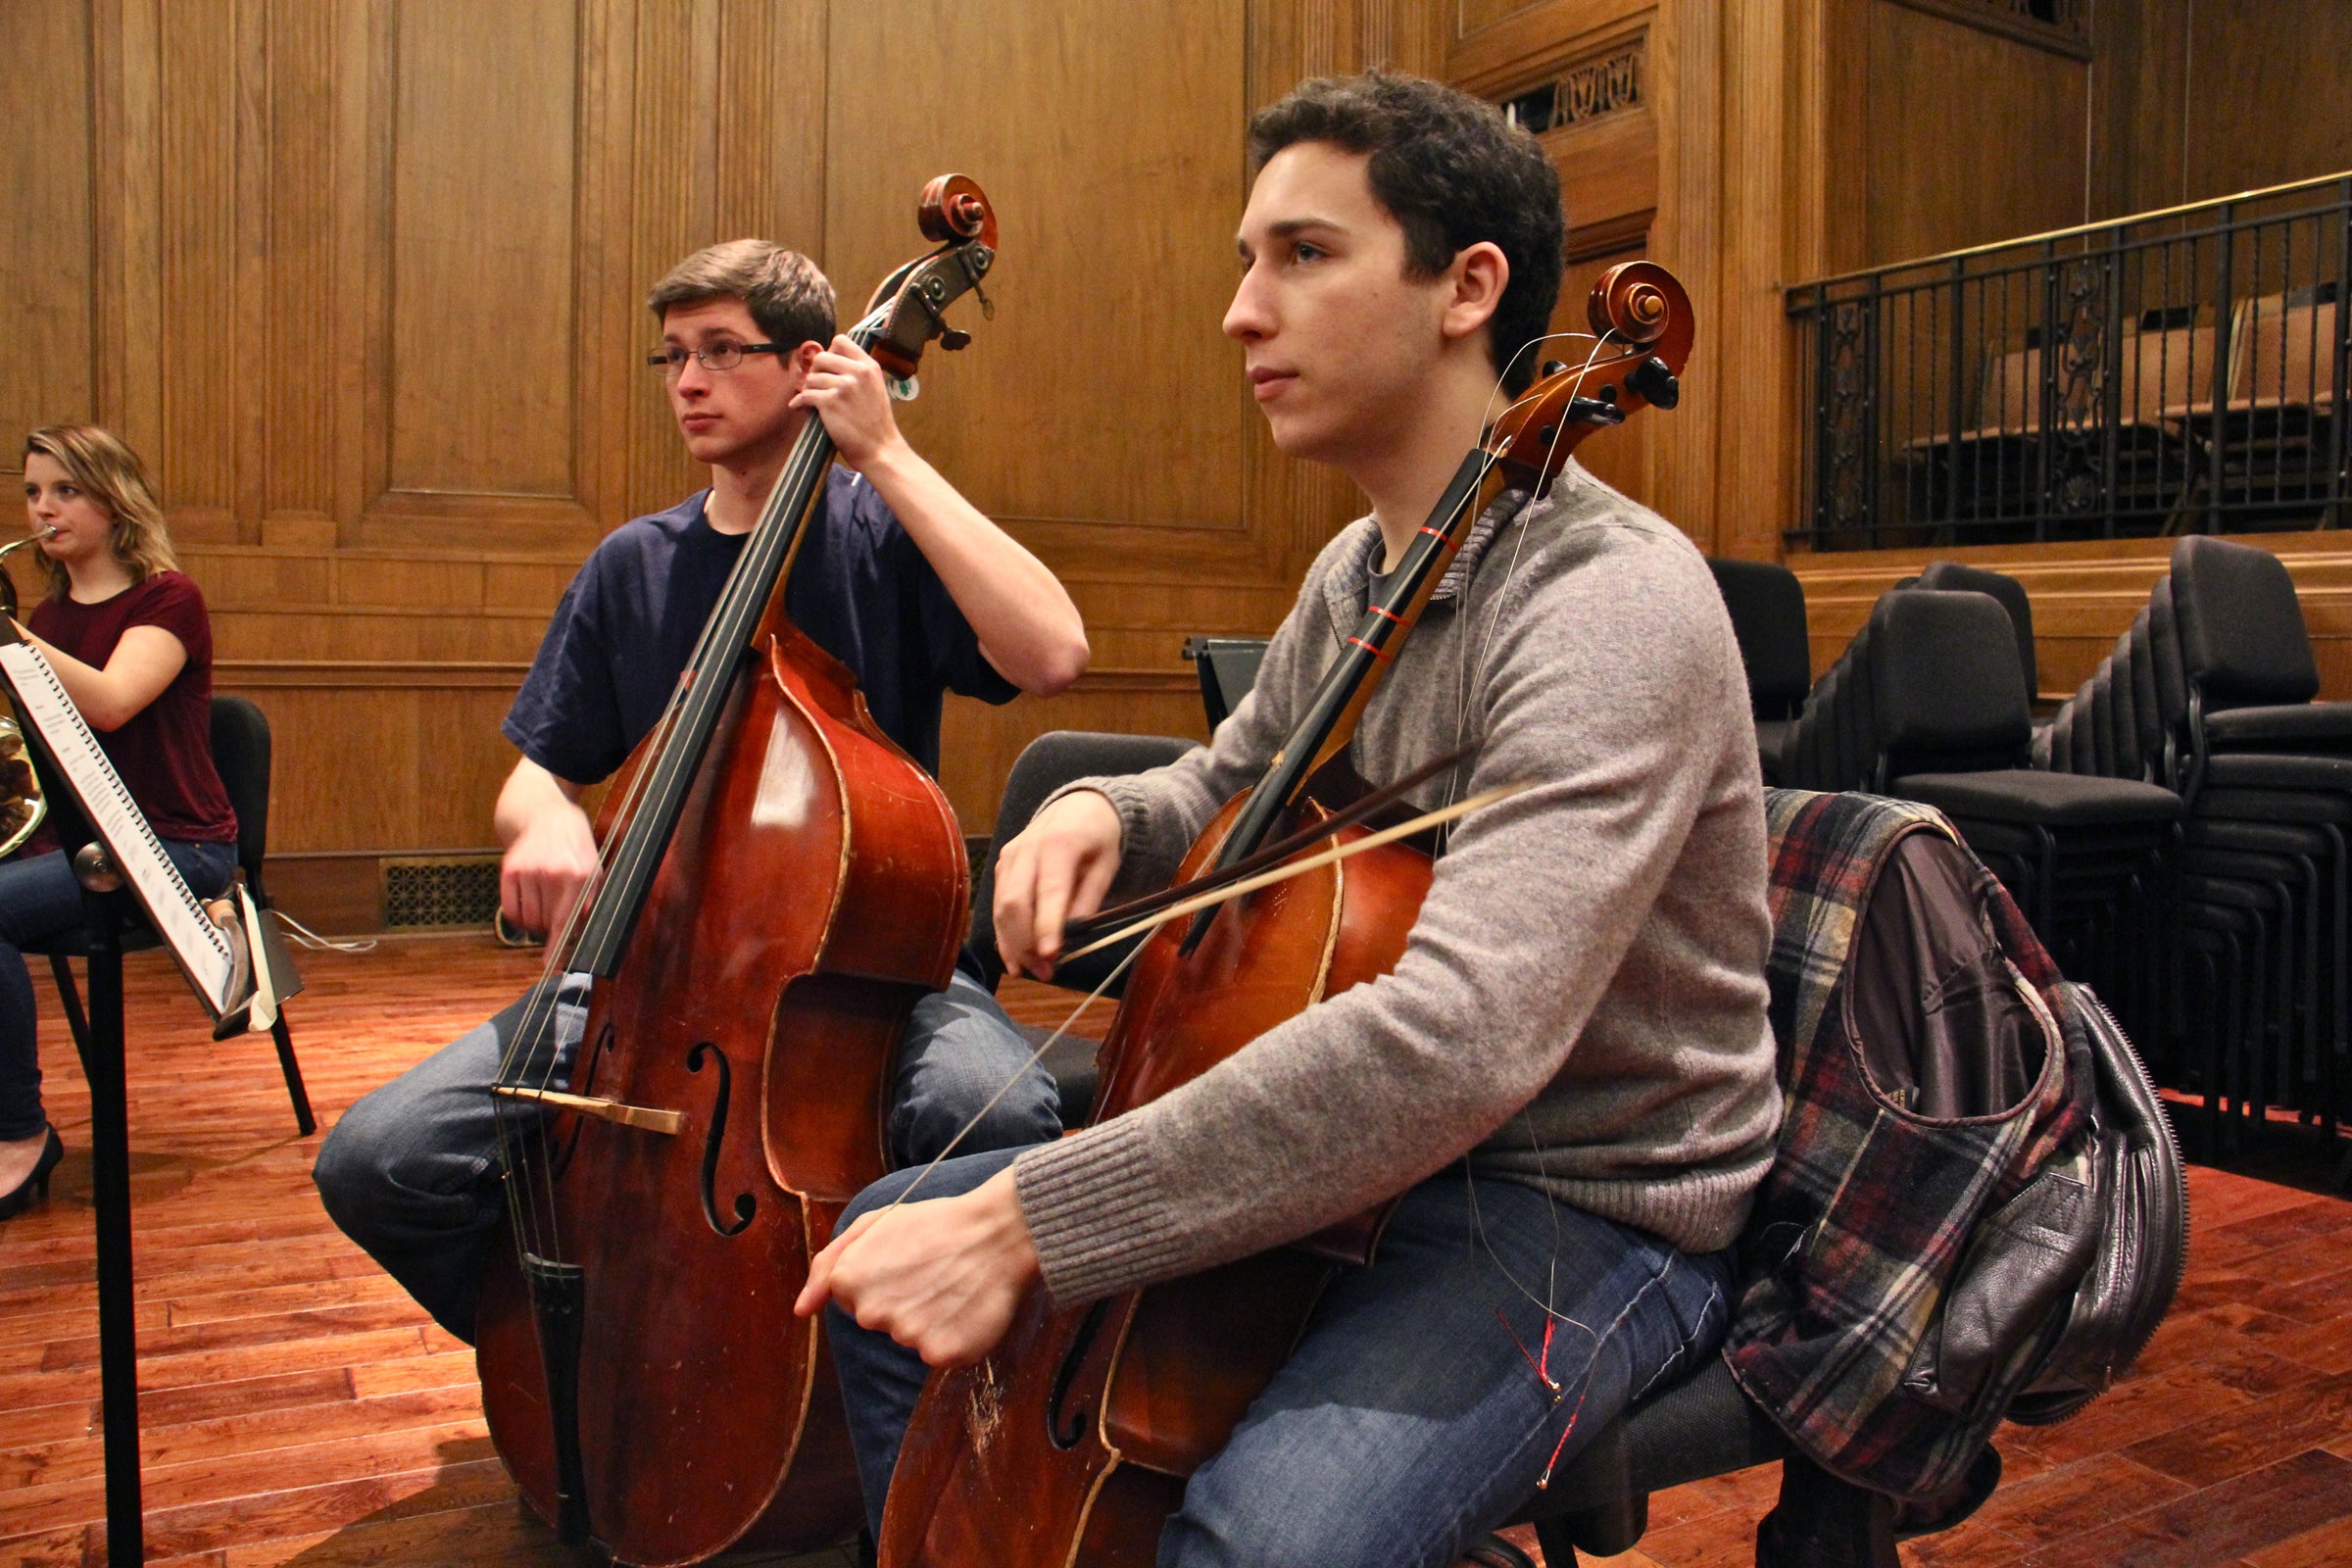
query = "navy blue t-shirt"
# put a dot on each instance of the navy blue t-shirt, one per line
(861, 589)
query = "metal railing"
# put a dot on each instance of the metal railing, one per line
(2176, 371)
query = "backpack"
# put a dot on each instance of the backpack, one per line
(1977, 1209)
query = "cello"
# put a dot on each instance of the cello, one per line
(1069, 1445)
(777, 884)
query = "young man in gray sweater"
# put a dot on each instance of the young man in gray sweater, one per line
(1569, 1073)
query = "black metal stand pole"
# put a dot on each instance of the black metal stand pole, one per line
(117, 1330)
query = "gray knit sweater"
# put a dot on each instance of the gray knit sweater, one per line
(1581, 1004)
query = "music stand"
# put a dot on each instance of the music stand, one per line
(51, 726)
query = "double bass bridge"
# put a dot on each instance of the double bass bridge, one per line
(645, 1118)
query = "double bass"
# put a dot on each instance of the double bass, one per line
(1068, 1445)
(777, 884)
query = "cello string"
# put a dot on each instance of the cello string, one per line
(1228, 891)
(1464, 678)
(1330, 856)
(1477, 1238)
(1035, 1056)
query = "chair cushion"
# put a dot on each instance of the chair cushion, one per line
(1952, 576)
(1767, 606)
(2278, 770)
(2052, 799)
(130, 936)
(2241, 627)
(1702, 1425)
(2280, 724)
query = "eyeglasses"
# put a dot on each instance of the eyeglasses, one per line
(670, 359)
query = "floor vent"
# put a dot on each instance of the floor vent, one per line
(440, 892)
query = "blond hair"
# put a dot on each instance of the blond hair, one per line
(112, 475)
(790, 300)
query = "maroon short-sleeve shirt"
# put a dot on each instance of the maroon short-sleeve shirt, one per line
(165, 750)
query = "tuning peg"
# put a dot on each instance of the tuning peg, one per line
(1653, 381)
(953, 339)
(1550, 368)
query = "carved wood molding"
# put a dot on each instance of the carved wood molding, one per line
(1592, 87)
(2061, 26)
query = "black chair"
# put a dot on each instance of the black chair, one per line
(241, 755)
(1044, 766)
(1929, 702)
(2246, 663)
(1228, 668)
(1952, 576)
(1767, 605)
(2267, 774)
(2082, 855)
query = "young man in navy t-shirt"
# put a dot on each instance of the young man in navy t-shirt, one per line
(900, 577)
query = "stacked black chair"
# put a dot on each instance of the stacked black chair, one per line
(2209, 693)
(1952, 576)
(1929, 702)
(1767, 605)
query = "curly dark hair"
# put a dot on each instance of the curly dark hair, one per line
(1452, 171)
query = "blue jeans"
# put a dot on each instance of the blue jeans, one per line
(1410, 1420)
(39, 898)
(412, 1172)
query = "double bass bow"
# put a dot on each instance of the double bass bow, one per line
(1069, 1445)
(777, 884)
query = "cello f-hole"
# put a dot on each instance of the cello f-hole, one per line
(745, 1204)
(1063, 1437)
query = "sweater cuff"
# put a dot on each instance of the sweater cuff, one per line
(1095, 1215)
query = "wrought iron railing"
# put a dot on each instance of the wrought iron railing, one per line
(2169, 372)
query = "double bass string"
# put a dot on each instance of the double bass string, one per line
(725, 633)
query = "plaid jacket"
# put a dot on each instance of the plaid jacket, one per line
(1863, 1222)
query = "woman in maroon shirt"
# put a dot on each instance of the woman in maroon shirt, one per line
(129, 639)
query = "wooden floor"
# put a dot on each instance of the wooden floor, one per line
(298, 1409)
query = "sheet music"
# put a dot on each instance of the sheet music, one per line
(202, 947)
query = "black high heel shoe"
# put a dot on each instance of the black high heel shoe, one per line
(13, 1201)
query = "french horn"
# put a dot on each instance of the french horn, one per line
(21, 806)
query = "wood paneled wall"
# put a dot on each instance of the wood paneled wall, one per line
(1641, 161)
(2203, 98)
(1944, 132)
(361, 279)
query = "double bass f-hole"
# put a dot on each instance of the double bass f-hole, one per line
(745, 1203)
(1066, 1435)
